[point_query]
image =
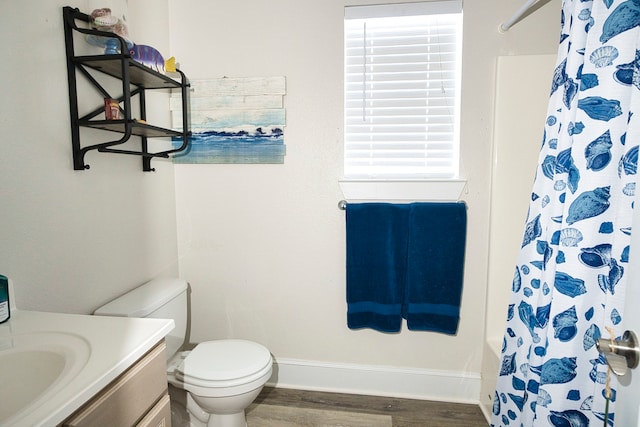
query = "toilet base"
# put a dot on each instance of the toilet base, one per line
(227, 420)
(186, 412)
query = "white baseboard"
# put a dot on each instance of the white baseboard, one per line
(424, 384)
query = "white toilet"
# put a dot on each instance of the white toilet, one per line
(216, 380)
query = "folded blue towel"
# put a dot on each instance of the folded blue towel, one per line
(405, 260)
(376, 265)
(435, 266)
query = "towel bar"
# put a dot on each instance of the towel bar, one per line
(342, 204)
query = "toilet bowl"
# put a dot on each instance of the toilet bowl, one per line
(223, 378)
(212, 384)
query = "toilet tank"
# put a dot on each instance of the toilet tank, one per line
(163, 298)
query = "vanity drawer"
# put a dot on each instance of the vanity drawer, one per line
(159, 415)
(129, 397)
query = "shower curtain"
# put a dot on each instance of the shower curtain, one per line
(569, 281)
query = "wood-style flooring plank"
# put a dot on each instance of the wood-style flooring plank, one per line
(404, 412)
(262, 415)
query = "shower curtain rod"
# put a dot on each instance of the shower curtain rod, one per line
(504, 27)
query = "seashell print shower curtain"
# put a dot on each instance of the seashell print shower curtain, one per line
(569, 281)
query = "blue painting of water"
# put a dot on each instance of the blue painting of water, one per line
(233, 147)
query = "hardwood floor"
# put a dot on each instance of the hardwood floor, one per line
(401, 412)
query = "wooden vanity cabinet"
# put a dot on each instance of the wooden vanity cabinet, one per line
(138, 397)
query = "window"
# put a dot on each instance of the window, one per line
(402, 90)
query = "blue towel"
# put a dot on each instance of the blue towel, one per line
(435, 266)
(376, 265)
(405, 260)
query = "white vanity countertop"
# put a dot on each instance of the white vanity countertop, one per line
(114, 344)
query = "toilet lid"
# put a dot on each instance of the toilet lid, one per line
(224, 360)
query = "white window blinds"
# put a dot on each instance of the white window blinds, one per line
(402, 90)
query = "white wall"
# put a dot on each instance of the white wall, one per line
(263, 245)
(71, 240)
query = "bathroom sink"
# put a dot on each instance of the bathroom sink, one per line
(34, 366)
(53, 363)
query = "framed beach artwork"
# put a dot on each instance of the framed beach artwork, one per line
(234, 120)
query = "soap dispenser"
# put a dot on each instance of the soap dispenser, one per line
(5, 311)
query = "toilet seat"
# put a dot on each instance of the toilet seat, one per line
(223, 364)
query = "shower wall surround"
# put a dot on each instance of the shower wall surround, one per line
(516, 144)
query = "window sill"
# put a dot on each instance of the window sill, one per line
(402, 190)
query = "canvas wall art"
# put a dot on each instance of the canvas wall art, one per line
(234, 120)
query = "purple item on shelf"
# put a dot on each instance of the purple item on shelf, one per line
(148, 56)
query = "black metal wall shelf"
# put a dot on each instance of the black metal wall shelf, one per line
(137, 128)
(135, 80)
(139, 74)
